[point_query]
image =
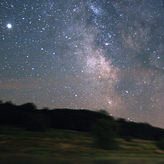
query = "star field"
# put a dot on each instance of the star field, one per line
(92, 54)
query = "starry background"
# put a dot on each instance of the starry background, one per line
(92, 54)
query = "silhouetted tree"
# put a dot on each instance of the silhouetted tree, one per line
(102, 111)
(160, 144)
(28, 107)
(104, 132)
(45, 108)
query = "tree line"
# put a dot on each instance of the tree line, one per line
(30, 118)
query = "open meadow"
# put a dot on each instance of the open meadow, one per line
(72, 147)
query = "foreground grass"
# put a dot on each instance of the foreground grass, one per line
(69, 143)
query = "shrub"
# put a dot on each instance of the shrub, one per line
(160, 144)
(128, 138)
(104, 132)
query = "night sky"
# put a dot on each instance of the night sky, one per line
(92, 54)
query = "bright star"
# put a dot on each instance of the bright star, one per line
(109, 102)
(9, 25)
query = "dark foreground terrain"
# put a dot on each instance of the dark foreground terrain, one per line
(68, 136)
(70, 147)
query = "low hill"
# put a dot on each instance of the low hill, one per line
(29, 117)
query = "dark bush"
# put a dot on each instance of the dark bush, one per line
(160, 144)
(128, 138)
(104, 132)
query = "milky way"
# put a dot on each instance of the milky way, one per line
(92, 54)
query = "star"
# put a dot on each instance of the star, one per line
(9, 25)
(85, 54)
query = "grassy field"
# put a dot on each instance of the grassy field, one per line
(59, 143)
